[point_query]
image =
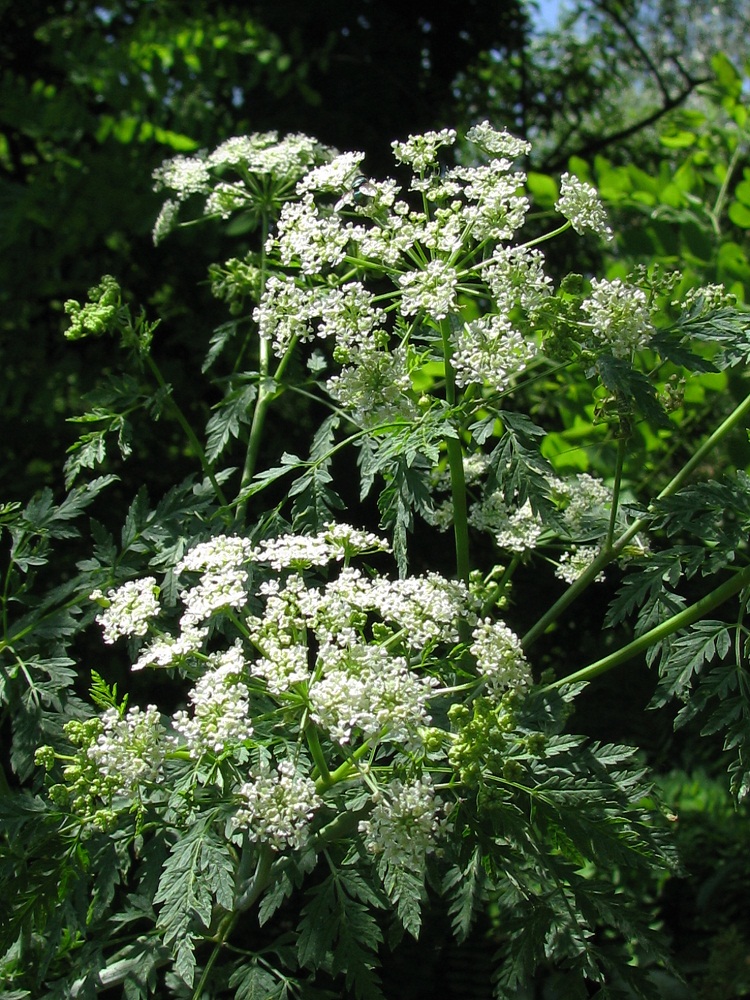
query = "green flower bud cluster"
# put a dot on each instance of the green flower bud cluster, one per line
(99, 315)
(481, 738)
(84, 788)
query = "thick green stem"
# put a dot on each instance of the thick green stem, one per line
(316, 751)
(266, 392)
(679, 621)
(607, 555)
(616, 493)
(456, 466)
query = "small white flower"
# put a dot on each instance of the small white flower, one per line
(283, 666)
(165, 220)
(491, 352)
(168, 651)
(336, 176)
(573, 563)
(367, 691)
(428, 608)
(276, 809)
(580, 204)
(227, 198)
(220, 705)
(497, 206)
(185, 175)
(432, 289)
(130, 749)
(420, 151)
(129, 609)
(333, 544)
(586, 502)
(619, 316)
(516, 276)
(405, 824)
(514, 530)
(307, 238)
(499, 656)
(286, 159)
(286, 312)
(499, 143)
(375, 388)
(222, 584)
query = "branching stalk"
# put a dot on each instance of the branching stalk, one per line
(195, 444)
(607, 555)
(679, 621)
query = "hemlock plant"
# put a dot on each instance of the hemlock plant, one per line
(354, 740)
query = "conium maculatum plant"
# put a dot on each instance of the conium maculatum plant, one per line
(346, 744)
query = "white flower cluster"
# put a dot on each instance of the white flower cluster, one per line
(264, 153)
(496, 207)
(128, 608)
(514, 529)
(619, 316)
(286, 312)
(336, 176)
(130, 749)
(220, 705)
(580, 204)
(376, 389)
(350, 317)
(420, 151)
(499, 656)
(222, 584)
(405, 824)
(283, 665)
(498, 143)
(585, 502)
(431, 289)
(334, 543)
(170, 651)
(287, 160)
(277, 808)
(427, 608)
(185, 175)
(367, 690)
(306, 237)
(575, 562)
(516, 277)
(489, 350)
(228, 198)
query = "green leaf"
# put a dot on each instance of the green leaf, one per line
(465, 887)
(197, 871)
(739, 214)
(230, 415)
(252, 982)
(337, 929)
(543, 189)
(675, 138)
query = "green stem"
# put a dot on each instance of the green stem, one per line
(607, 555)
(679, 621)
(456, 466)
(266, 392)
(715, 213)
(313, 743)
(616, 493)
(225, 929)
(259, 883)
(195, 444)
